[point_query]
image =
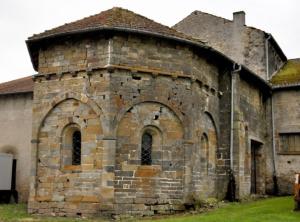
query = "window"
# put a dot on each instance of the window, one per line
(290, 142)
(146, 149)
(76, 145)
(71, 146)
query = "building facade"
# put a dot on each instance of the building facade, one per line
(133, 117)
(16, 121)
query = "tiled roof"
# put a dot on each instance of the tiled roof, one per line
(112, 18)
(22, 85)
(115, 19)
(118, 19)
(289, 74)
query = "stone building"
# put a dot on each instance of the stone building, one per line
(15, 126)
(254, 48)
(286, 123)
(133, 117)
(259, 51)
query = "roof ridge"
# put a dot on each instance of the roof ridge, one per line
(217, 16)
(47, 33)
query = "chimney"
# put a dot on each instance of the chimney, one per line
(239, 18)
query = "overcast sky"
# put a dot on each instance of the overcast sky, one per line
(20, 19)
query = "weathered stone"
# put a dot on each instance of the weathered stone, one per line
(116, 90)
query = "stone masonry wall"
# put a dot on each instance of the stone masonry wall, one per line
(253, 122)
(286, 106)
(139, 84)
(243, 44)
(275, 62)
(72, 55)
(60, 188)
(223, 153)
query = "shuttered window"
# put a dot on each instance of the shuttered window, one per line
(290, 142)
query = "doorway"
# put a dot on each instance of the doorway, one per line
(255, 165)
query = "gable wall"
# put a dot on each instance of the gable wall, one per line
(245, 45)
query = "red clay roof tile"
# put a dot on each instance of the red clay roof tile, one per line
(112, 18)
(22, 85)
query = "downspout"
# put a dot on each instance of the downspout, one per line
(275, 187)
(231, 185)
(267, 56)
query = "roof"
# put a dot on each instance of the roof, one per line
(121, 20)
(22, 85)
(115, 19)
(288, 75)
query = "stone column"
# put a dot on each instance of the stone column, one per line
(239, 140)
(108, 175)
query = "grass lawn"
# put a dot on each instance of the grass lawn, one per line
(279, 209)
(273, 209)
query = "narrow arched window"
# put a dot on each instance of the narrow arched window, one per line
(146, 149)
(76, 145)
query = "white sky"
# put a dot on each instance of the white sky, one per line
(20, 19)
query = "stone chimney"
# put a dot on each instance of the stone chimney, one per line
(239, 18)
(237, 46)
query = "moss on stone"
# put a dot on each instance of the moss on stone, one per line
(288, 74)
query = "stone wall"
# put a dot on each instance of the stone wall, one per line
(245, 45)
(15, 137)
(274, 61)
(80, 54)
(140, 84)
(252, 121)
(59, 187)
(286, 105)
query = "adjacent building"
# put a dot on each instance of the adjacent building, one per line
(128, 116)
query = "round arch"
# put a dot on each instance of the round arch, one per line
(70, 95)
(211, 118)
(121, 114)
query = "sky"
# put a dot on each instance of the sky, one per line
(20, 19)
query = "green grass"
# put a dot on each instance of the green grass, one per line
(17, 212)
(279, 209)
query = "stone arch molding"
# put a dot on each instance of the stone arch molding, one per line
(76, 96)
(211, 134)
(212, 119)
(123, 111)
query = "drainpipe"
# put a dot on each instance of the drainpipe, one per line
(267, 56)
(275, 188)
(231, 185)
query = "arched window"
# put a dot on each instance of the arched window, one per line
(146, 149)
(76, 146)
